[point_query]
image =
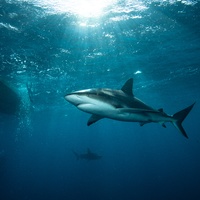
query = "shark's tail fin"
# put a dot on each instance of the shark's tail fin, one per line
(179, 117)
(76, 154)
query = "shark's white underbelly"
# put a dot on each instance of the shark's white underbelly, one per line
(108, 111)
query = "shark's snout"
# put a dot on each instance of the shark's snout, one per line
(74, 99)
(77, 98)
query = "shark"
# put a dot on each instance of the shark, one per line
(122, 105)
(87, 156)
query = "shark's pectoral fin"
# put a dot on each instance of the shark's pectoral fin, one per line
(163, 125)
(93, 119)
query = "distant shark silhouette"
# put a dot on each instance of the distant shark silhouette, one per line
(124, 106)
(9, 99)
(87, 156)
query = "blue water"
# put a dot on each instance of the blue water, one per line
(51, 48)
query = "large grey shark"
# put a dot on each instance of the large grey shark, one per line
(122, 105)
(87, 156)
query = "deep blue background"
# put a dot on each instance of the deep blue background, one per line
(51, 54)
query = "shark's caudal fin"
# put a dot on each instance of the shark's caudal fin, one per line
(179, 117)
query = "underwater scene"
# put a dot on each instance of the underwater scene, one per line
(99, 100)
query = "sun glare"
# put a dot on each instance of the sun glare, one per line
(81, 8)
(89, 12)
(91, 8)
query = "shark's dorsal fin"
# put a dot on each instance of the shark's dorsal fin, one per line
(128, 87)
(77, 155)
(88, 151)
(93, 119)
